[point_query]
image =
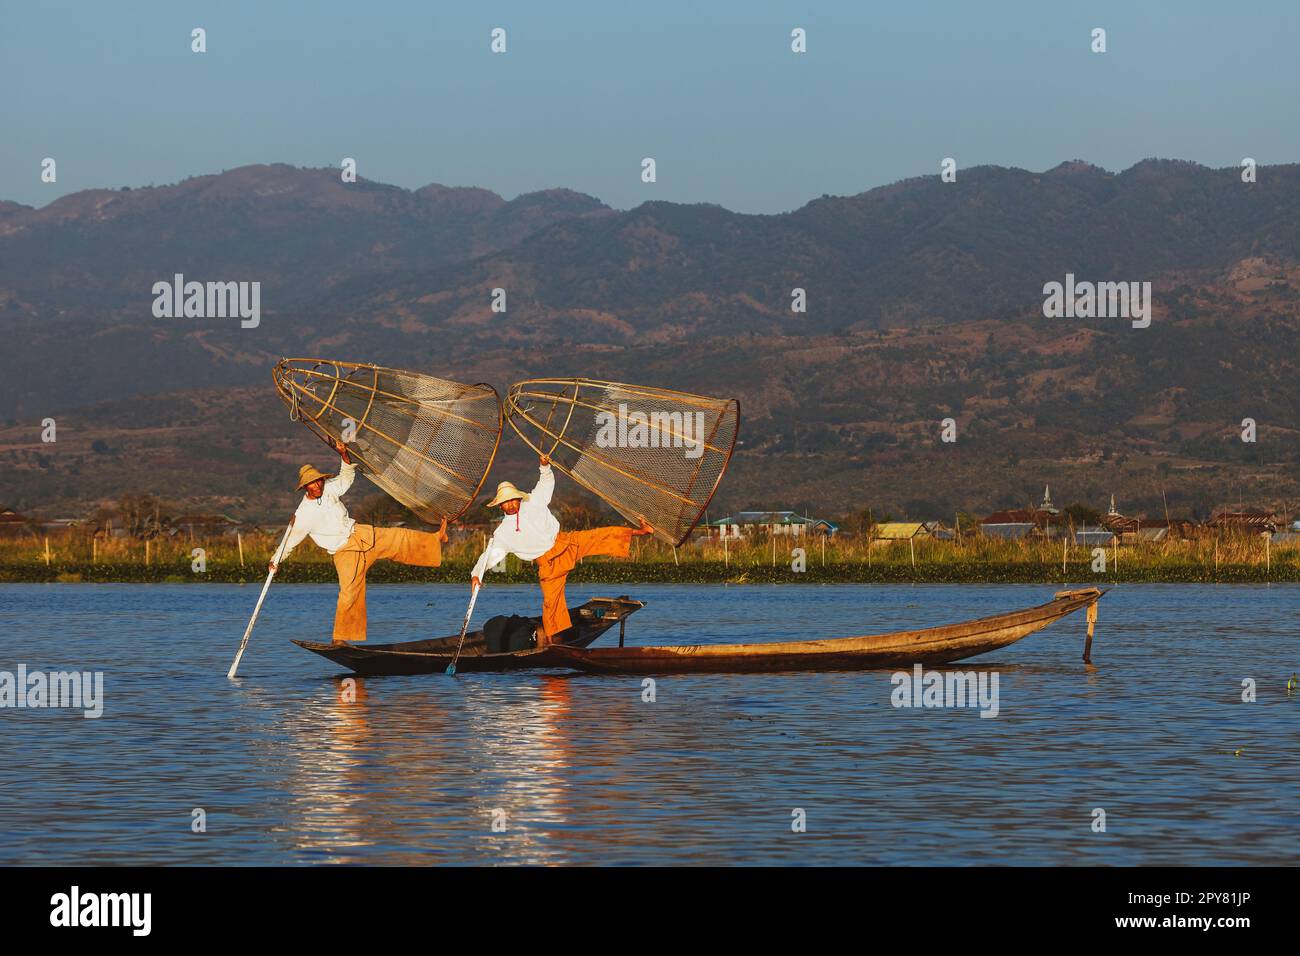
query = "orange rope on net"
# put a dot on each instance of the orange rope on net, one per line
(650, 453)
(427, 442)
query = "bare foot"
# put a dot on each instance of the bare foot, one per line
(643, 529)
(442, 531)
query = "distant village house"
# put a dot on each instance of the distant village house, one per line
(12, 523)
(888, 531)
(1044, 521)
(777, 523)
(207, 526)
(1244, 522)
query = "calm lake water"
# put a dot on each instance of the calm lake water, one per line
(586, 772)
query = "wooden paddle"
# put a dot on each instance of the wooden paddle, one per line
(248, 632)
(451, 668)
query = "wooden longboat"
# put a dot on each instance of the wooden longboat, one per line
(931, 645)
(432, 656)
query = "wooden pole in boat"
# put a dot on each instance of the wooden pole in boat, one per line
(469, 611)
(1092, 622)
(248, 631)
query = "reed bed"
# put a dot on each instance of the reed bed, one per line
(74, 555)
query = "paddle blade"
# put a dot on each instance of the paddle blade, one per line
(649, 452)
(451, 670)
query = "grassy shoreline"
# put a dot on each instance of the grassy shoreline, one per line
(621, 574)
(846, 559)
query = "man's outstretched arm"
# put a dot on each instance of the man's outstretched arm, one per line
(545, 487)
(490, 558)
(340, 483)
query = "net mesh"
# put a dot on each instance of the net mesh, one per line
(426, 441)
(650, 453)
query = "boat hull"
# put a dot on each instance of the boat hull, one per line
(934, 645)
(590, 621)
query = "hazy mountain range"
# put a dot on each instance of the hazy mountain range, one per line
(924, 301)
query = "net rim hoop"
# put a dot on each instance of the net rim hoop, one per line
(314, 427)
(649, 391)
(645, 391)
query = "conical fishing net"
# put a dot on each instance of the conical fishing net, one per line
(426, 441)
(650, 453)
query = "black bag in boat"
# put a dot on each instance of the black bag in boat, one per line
(504, 634)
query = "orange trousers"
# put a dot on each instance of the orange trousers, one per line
(366, 546)
(554, 566)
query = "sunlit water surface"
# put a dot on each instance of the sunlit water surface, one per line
(580, 769)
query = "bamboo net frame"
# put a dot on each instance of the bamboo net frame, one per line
(428, 442)
(650, 453)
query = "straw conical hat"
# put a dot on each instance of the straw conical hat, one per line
(309, 473)
(506, 492)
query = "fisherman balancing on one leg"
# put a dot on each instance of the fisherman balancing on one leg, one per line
(355, 547)
(529, 530)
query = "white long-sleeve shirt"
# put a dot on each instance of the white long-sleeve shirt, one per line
(529, 533)
(325, 518)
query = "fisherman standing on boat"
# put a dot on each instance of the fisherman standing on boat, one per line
(355, 547)
(530, 531)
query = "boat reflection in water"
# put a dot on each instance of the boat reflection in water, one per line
(403, 771)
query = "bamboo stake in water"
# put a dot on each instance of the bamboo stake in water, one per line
(47, 552)
(239, 539)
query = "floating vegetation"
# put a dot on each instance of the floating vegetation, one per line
(756, 560)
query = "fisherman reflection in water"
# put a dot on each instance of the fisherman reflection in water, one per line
(531, 532)
(355, 547)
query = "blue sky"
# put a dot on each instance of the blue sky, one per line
(586, 90)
